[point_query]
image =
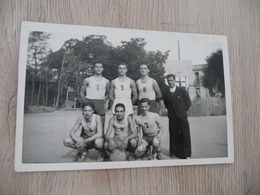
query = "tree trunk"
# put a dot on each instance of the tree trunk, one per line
(46, 89)
(39, 92)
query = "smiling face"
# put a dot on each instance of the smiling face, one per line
(122, 69)
(171, 82)
(144, 107)
(88, 112)
(98, 68)
(144, 70)
(120, 113)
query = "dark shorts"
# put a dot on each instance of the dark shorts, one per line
(99, 106)
(149, 139)
(154, 107)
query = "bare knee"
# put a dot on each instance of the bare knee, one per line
(133, 143)
(99, 142)
(67, 142)
(156, 142)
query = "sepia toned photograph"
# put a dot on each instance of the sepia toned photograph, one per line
(109, 98)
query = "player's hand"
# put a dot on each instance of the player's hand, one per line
(112, 145)
(139, 142)
(123, 145)
(80, 144)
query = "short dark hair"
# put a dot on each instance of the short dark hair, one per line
(88, 104)
(120, 105)
(98, 63)
(143, 100)
(170, 75)
(145, 65)
(123, 63)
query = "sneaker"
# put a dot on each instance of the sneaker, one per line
(159, 156)
(153, 157)
(132, 157)
(147, 157)
(100, 158)
(76, 158)
(83, 156)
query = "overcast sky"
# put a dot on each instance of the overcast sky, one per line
(192, 47)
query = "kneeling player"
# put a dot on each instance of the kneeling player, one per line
(124, 132)
(91, 134)
(150, 125)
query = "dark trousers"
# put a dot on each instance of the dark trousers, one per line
(180, 143)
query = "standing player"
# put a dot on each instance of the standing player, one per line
(124, 132)
(91, 134)
(96, 88)
(150, 125)
(121, 90)
(149, 88)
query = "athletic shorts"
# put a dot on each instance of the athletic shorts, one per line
(120, 141)
(153, 107)
(99, 106)
(148, 139)
(128, 105)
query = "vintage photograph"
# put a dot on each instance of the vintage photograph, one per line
(106, 98)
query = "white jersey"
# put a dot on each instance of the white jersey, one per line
(146, 90)
(123, 89)
(121, 129)
(96, 89)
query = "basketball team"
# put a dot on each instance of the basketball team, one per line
(129, 137)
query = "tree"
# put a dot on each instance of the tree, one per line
(38, 49)
(213, 78)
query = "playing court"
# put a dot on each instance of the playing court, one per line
(44, 133)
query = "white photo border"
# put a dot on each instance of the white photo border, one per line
(29, 167)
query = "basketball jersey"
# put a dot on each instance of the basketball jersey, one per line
(146, 90)
(121, 129)
(149, 124)
(123, 89)
(96, 89)
(91, 129)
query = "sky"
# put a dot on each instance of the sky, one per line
(192, 47)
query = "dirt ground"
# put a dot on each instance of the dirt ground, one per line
(44, 134)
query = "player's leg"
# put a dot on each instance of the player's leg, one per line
(131, 147)
(185, 138)
(68, 142)
(99, 145)
(156, 149)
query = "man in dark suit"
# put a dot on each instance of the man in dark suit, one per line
(177, 102)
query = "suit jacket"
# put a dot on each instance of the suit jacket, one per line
(177, 103)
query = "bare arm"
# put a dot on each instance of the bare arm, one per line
(107, 90)
(83, 90)
(111, 93)
(157, 90)
(132, 129)
(158, 95)
(74, 129)
(159, 124)
(109, 130)
(139, 132)
(134, 90)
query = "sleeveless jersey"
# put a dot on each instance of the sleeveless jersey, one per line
(146, 89)
(91, 129)
(96, 89)
(121, 129)
(149, 124)
(123, 89)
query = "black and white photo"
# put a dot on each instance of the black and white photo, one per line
(106, 98)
